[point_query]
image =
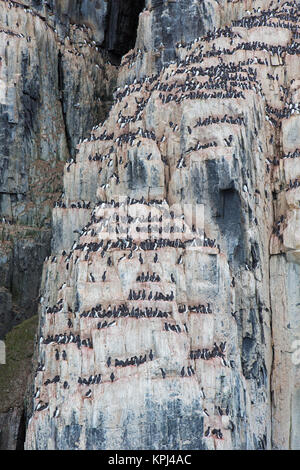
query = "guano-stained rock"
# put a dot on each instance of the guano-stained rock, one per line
(170, 300)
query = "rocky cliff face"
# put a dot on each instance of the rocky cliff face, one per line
(51, 69)
(169, 303)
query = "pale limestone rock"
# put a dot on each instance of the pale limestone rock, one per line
(243, 275)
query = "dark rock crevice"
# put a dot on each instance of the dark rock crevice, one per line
(60, 75)
(121, 27)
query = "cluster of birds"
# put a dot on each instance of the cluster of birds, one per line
(26, 8)
(123, 311)
(224, 77)
(211, 243)
(55, 308)
(217, 33)
(6, 221)
(291, 49)
(265, 17)
(175, 328)
(125, 244)
(92, 380)
(101, 138)
(217, 433)
(12, 33)
(195, 308)
(67, 339)
(278, 227)
(190, 371)
(55, 380)
(199, 146)
(130, 137)
(216, 120)
(148, 277)
(294, 154)
(283, 113)
(166, 229)
(134, 360)
(129, 244)
(293, 184)
(141, 295)
(101, 158)
(220, 81)
(105, 324)
(136, 86)
(63, 355)
(197, 95)
(217, 351)
(77, 44)
(74, 205)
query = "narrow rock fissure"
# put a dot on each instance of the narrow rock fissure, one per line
(121, 27)
(21, 433)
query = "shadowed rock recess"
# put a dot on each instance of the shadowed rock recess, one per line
(169, 300)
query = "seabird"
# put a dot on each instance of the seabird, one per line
(179, 260)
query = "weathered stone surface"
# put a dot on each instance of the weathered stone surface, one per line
(14, 376)
(202, 340)
(180, 344)
(55, 85)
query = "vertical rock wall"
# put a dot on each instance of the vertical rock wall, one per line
(157, 332)
(48, 103)
(55, 84)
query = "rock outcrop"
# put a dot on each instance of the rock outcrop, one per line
(55, 83)
(168, 214)
(170, 298)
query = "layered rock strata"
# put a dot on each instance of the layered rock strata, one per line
(55, 83)
(169, 301)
